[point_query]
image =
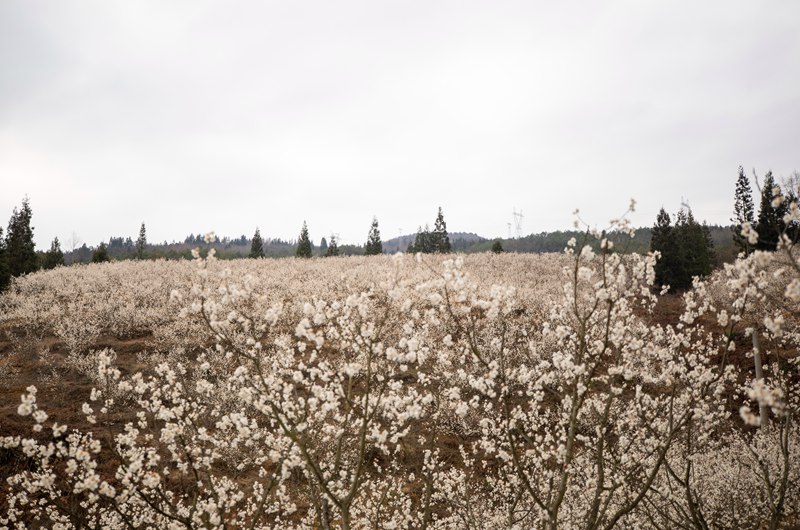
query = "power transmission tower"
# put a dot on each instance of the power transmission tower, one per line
(518, 223)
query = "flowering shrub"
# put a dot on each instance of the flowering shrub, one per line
(498, 391)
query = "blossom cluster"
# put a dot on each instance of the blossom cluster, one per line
(492, 391)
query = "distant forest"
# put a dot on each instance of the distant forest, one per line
(240, 247)
(687, 247)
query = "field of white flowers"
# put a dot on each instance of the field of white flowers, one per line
(488, 391)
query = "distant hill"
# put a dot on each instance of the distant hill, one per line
(556, 242)
(466, 242)
(460, 241)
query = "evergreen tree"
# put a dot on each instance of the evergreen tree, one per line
(497, 247)
(686, 248)
(141, 243)
(697, 249)
(257, 245)
(5, 272)
(441, 241)
(333, 248)
(374, 244)
(323, 247)
(100, 254)
(791, 191)
(743, 210)
(424, 241)
(20, 248)
(53, 257)
(708, 241)
(304, 249)
(663, 241)
(770, 218)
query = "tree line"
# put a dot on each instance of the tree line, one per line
(18, 254)
(426, 241)
(687, 247)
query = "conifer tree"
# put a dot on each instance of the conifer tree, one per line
(663, 241)
(441, 241)
(53, 257)
(497, 247)
(5, 273)
(770, 217)
(257, 245)
(333, 248)
(20, 248)
(100, 254)
(323, 247)
(304, 249)
(374, 244)
(709, 244)
(423, 242)
(141, 243)
(697, 249)
(743, 210)
(686, 248)
(791, 191)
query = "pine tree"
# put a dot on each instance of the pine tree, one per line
(698, 249)
(333, 248)
(53, 257)
(257, 245)
(141, 243)
(791, 191)
(743, 210)
(423, 242)
(374, 244)
(5, 272)
(663, 241)
(770, 218)
(441, 241)
(686, 248)
(304, 249)
(20, 248)
(323, 247)
(497, 247)
(708, 241)
(100, 254)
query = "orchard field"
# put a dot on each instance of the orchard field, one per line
(488, 391)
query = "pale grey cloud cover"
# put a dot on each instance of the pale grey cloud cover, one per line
(227, 115)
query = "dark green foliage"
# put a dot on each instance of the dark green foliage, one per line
(304, 249)
(441, 241)
(663, 241)
(791, 190)
(20, 248)
(5, 273)
(374, 245)
(333, 248)
(257, 245)
(770, 218)
(436, 241)
(686, 248)
(497, 247)
(323, 247)
(121, 245)
(141, 243)
(697, 249)
(100, 254)
(424, 242)
(53, 257)
(743, 210)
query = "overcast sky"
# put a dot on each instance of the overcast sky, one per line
(198, 115)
